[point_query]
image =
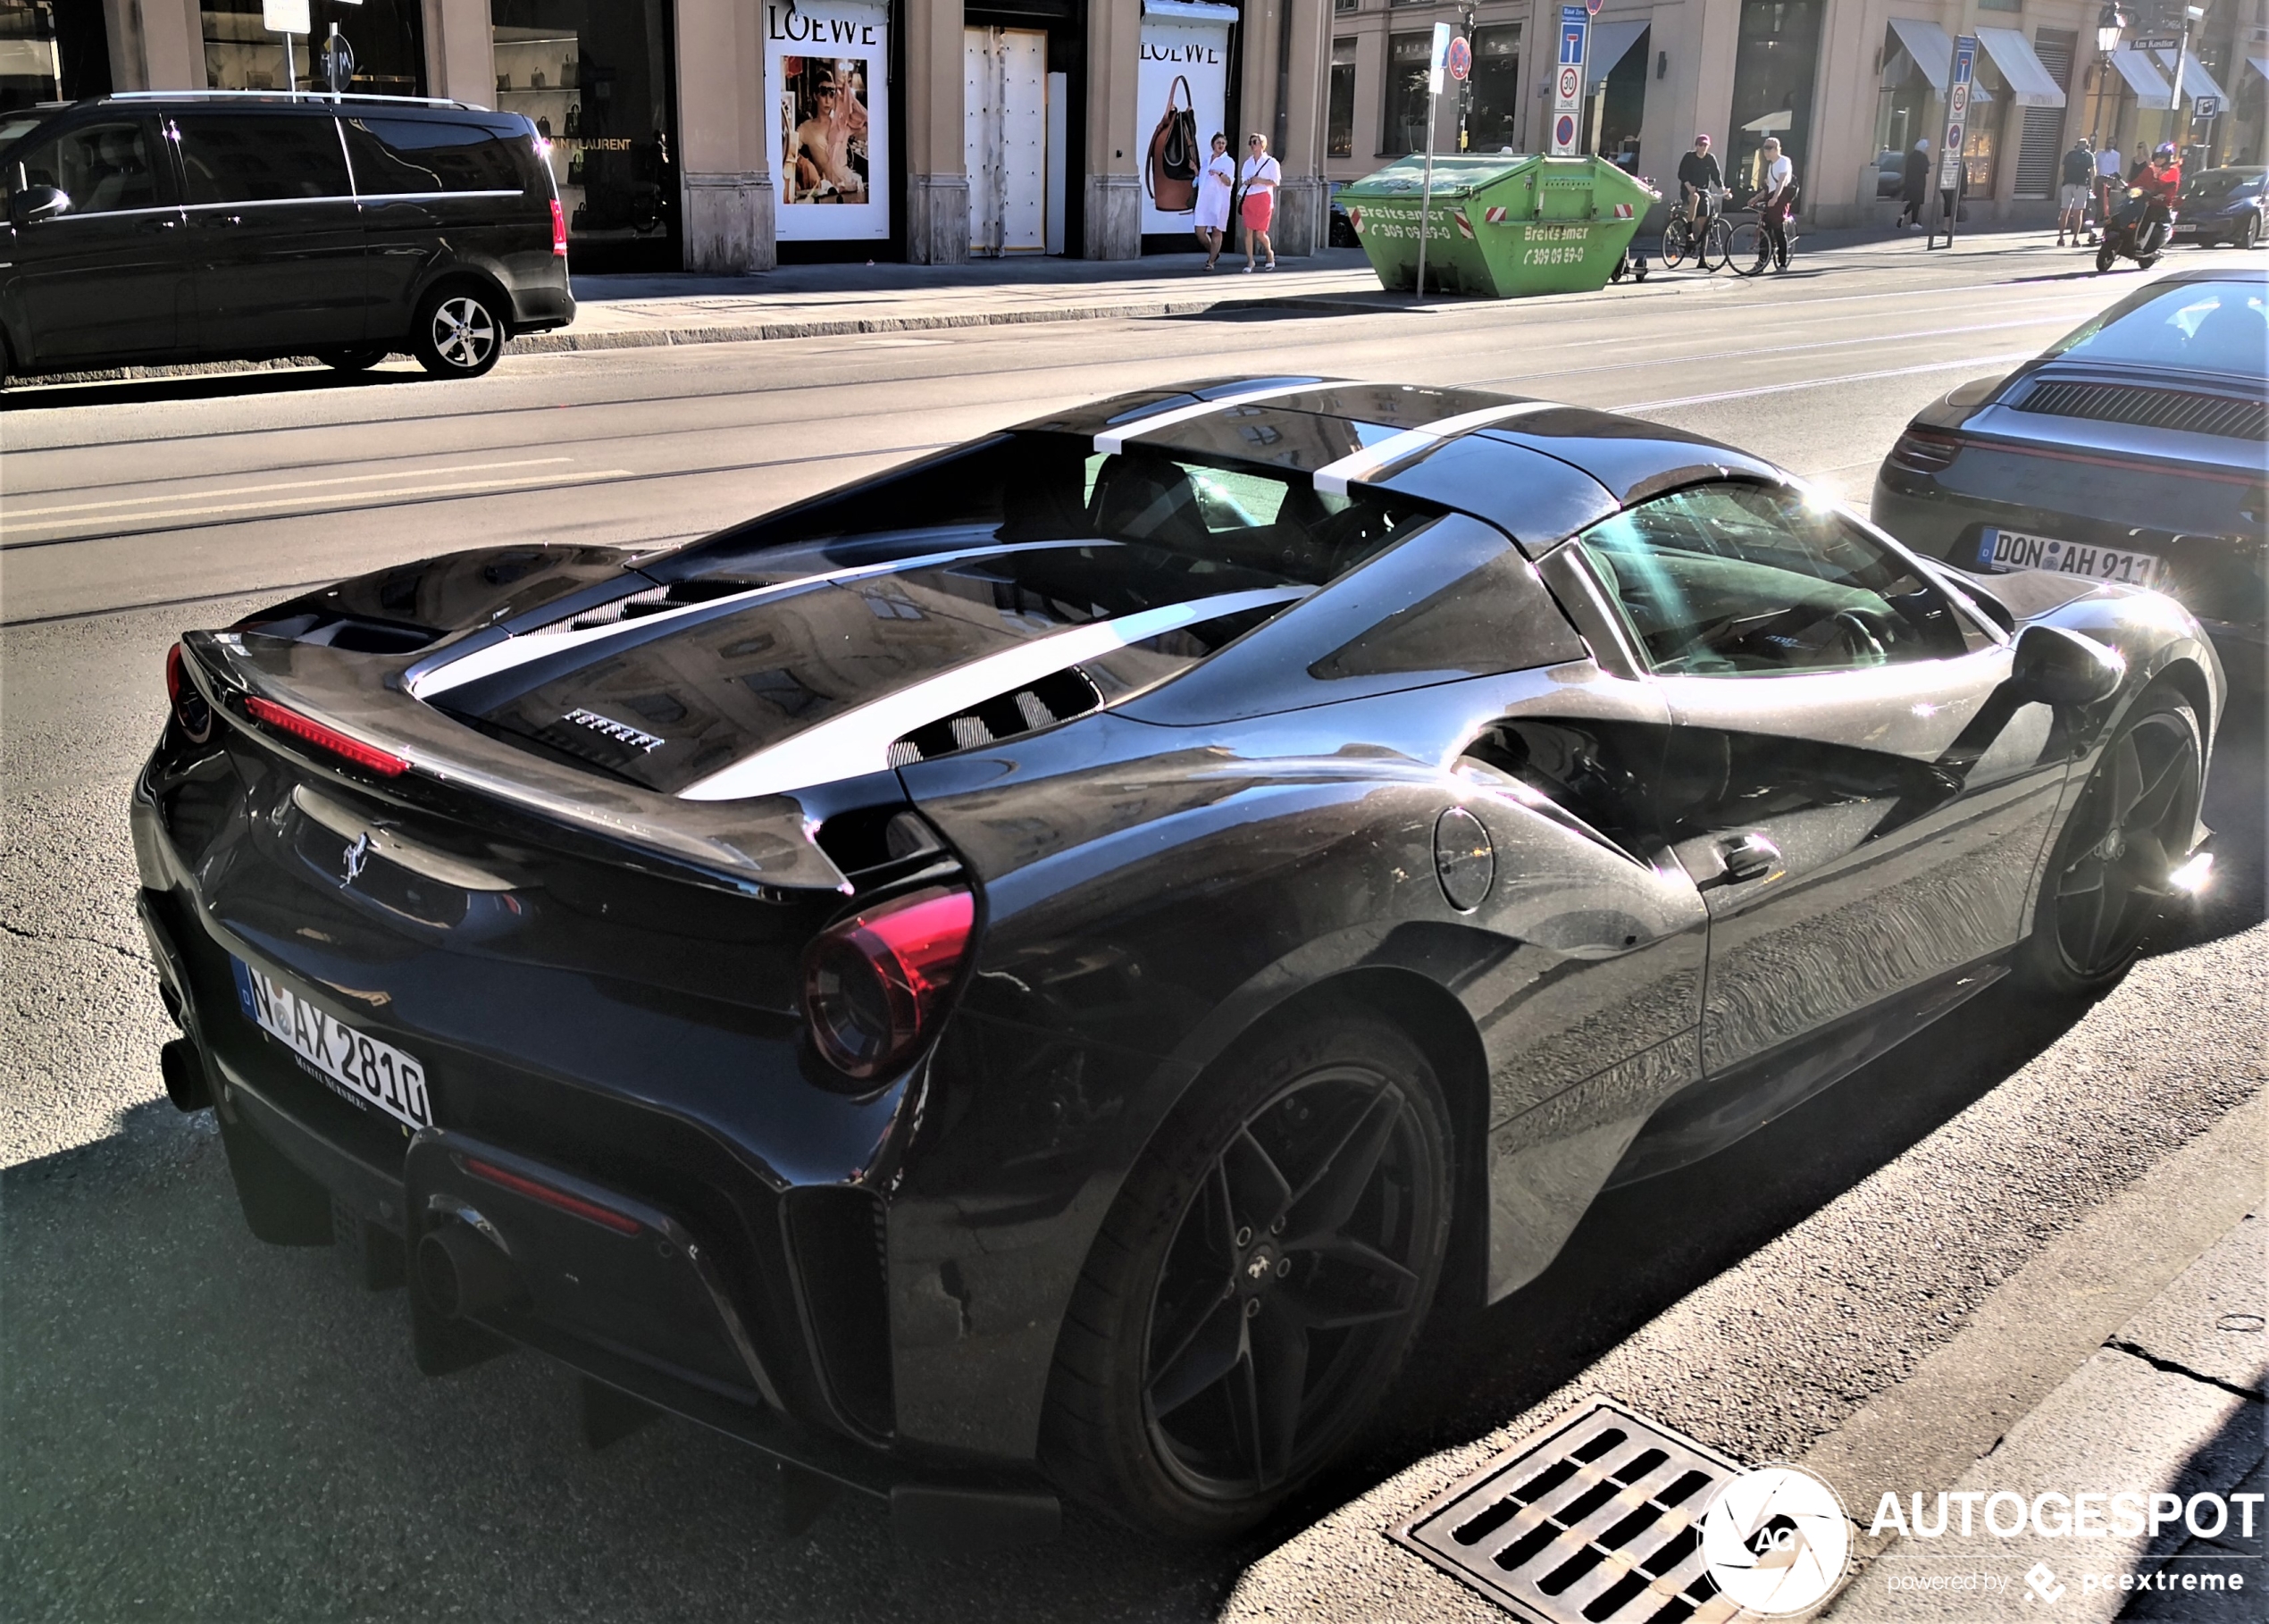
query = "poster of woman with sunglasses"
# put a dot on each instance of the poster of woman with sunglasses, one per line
(821, 70)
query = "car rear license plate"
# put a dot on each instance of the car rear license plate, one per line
(352, 1065)
(2004, 550)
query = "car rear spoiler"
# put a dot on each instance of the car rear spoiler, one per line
(757, 847)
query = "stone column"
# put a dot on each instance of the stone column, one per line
(1113, 216)
(460, 57)
(1303, 201)
(155, 45)
(724, 169)
(937, 188)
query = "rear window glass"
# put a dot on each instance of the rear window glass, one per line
(1047, 487)
(2220, 327)
(261, 158)
(396, 157)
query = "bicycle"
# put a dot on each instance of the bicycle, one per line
(1750, 250)
(1680, 237)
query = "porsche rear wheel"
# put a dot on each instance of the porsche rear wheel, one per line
(2108, 879)
(1258, 1283)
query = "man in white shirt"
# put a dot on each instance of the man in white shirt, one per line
(1259, 176)
(1774, 200)
(2109, 171)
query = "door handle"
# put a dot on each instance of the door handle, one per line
(159, 225)
(220, 220)
(1751, 856)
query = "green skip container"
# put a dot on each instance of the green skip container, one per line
(1504, 224)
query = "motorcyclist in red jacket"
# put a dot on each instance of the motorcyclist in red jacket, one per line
(2159, 178)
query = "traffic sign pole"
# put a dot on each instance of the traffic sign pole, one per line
(1568, 79)
(1952, 171)
(1426, 191)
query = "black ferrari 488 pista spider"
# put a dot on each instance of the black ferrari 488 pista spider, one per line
(1033, 973)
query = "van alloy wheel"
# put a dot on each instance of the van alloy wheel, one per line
(463, 331)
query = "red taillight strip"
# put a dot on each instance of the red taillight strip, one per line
(558, 232)
(312, 731)
(2124, 464)
(605, 1217)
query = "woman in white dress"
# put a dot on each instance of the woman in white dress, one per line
(1218, 179)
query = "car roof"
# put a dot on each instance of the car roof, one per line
(1538, 469)
(2213, 274)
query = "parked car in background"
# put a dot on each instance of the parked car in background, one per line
(2225, 207)
(154, 229)
(2135, 450)
(1027, 973)
(1890, 174)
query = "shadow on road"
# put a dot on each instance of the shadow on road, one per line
(200, 1426)
(34, 396)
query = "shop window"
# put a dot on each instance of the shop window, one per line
(1773, 67)
(1492, 110)
(1340, 8)
(50, 51)
(1904, 102)
(1403, 129)
(594, 75)
(1339, 126)
(387, 37)
(1982, 149)
(1622, 105)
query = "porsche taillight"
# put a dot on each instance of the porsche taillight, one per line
(191, 709)
(1925, 450)
(875, 985)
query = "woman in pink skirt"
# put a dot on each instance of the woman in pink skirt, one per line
(1262, 175)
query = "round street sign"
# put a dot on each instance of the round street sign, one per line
(1571, 81)
(1461, 58)
(1564, 131)
(1593, 6)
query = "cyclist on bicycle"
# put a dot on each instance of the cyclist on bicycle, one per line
(1699, 180)
(1775, 201)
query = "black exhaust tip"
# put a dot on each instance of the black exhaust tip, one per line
(465, 1276)
(184, 1074)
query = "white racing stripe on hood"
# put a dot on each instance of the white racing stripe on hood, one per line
(1332, 479)
(523, 647)
(858, 741)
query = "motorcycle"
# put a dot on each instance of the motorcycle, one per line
(2138, 229)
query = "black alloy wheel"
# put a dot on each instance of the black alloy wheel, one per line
(457, 333)
(2131, 828)
(1258, 1284)
(360, 360)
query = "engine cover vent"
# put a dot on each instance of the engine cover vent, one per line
(1595, 1519)
(2185, 410)
(1055, 697)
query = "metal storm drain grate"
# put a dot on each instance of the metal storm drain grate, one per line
(1596, 1520)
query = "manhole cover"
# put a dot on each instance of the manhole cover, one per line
(1596, 1520)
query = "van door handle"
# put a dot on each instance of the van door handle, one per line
(222, 220)
(166, 224)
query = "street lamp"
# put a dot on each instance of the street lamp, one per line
(2109, 26)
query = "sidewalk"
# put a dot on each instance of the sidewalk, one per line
(829, 300)
(2125, 1354)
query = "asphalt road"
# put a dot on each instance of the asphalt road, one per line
(195, 1425)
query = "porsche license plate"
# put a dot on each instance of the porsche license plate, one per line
(352, 1065)
(2004, 550)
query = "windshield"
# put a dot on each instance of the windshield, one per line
(2218, 327)
(2213, 183)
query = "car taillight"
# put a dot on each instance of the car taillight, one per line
(874, 986)
(558, 230)
(189, 707)
(309, 731)
(1925, 450)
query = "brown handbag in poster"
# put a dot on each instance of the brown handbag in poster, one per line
(1172, 173)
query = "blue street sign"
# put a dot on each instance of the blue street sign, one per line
(1574, 23)
(1965, 59)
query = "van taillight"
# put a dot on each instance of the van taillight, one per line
(189, 707)
(558, 230)
(875, 986)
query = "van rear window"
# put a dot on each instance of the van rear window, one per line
(396, 157)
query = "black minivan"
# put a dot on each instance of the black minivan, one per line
(196, 226)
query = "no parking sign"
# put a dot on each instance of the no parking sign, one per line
(1568, 80)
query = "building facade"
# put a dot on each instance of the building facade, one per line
(729, 135)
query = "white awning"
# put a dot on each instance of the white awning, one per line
(1190, 11)
(2260, 65)
(2030, 82)
(1933, 53)
(2196, 80)
(1771, 122)
(1610, 42)
(2150, 85)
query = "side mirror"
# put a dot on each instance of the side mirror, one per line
(32, 203)
(2054, 667)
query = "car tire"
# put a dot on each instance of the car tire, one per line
(2106, 881)
(1266, 1324)
(352, 360)
(2250, 233)
(457, 332)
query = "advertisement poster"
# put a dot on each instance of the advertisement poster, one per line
(825, 67)
(1182, 92)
